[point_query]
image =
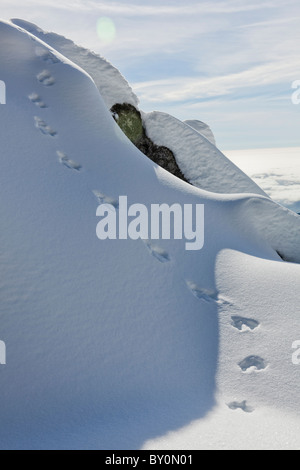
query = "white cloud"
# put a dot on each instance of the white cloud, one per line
(136, 9)
(186, 88)
(277, 171)
(274, 22)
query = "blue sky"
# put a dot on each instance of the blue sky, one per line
(229, 63)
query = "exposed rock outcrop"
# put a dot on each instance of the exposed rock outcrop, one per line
(130, 121)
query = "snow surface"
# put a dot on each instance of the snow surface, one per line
(108, 347)
(203, 129)
(102, 72)
(266, 292)
(200, 161)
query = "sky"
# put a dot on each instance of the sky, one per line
(228, 63)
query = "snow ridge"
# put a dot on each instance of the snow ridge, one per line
(101, 71)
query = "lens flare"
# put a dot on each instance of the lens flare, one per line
(106, 30)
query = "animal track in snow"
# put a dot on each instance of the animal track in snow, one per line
(240, 406)
(250, 362)
(45, 78)
(36, 99)
(43, 127)
(46, 56)
(207, 295)
(65, 160)
(243, 324)
(157, 252)
(103, 199)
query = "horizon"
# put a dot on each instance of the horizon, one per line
(219, 63)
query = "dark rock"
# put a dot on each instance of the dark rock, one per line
(130, 121)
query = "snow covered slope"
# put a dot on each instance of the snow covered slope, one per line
(203, 128)
(199, 160)
(257, 330)
(188, 140)
(112, 344)
(101, 71)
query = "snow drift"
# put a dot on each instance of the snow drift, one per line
(107, 346)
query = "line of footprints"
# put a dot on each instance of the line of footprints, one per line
(250, 363)
(46, 79)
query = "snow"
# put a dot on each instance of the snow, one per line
(131, 344)
(203, 129)
(266, 429)
(101, 71)
(271, 392)
(200, 161)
